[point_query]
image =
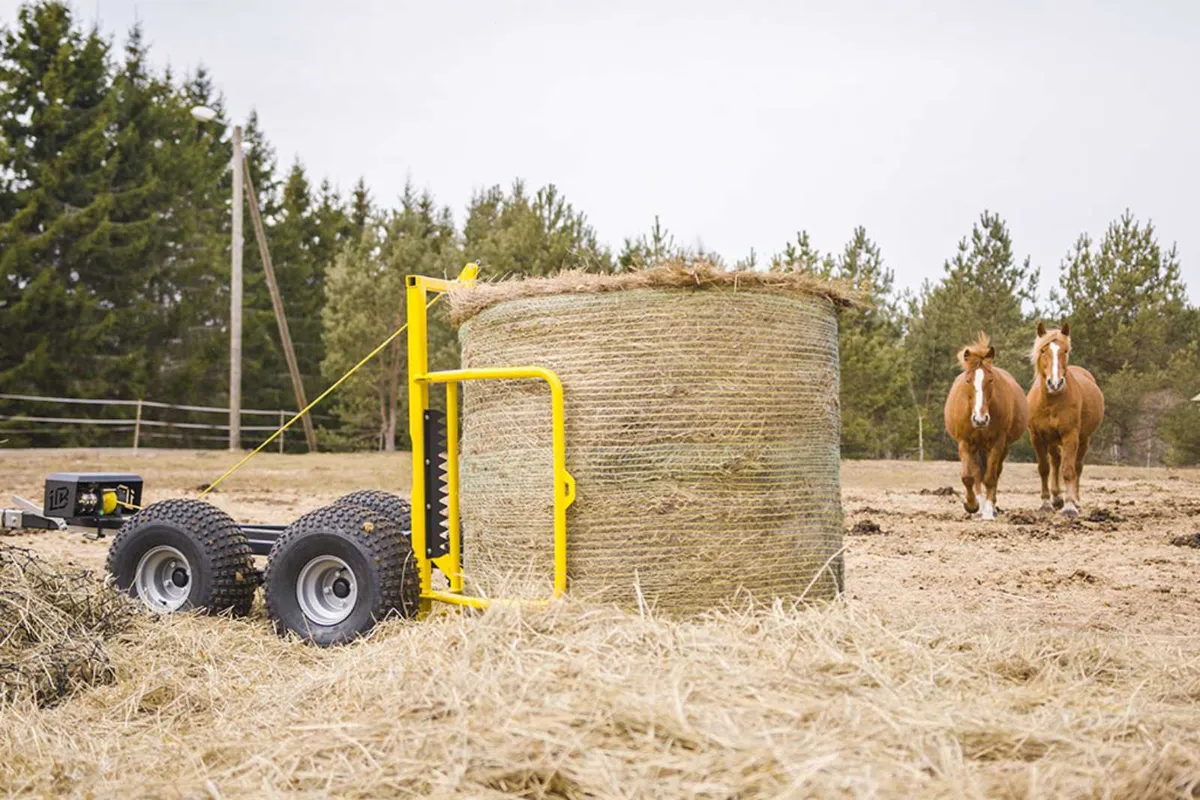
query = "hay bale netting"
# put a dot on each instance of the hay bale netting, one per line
(702, 430)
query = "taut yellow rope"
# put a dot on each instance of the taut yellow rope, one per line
(311, 405)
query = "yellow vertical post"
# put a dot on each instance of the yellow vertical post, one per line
(418, 404)
(564, 485)
(454, 532)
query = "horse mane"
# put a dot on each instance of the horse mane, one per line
(1041, 342)
(977, 350)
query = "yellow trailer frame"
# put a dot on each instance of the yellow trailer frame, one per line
(418, 289)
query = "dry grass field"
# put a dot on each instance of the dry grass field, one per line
(1029, 657)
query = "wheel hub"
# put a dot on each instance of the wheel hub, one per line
(326, 590)
(162, 578)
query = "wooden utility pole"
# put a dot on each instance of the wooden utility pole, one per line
(235, 300)
(310, 436)
(921, 435)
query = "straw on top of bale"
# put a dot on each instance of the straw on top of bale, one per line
(467, 301)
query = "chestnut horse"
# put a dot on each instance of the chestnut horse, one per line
(985, 413)
(1066, 406)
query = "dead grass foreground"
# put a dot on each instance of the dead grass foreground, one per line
(53, 627)
(584, 701)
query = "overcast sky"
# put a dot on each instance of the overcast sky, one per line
(737, 122)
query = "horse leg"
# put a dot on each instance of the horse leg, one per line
(1070, 476)
(991, 477)
(1055, 475)
(1079, 454)
(1043, 461)
(969, 470)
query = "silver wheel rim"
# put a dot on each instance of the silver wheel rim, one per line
(163, 579)
(326, 590)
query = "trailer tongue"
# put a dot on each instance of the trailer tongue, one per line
(99, 502)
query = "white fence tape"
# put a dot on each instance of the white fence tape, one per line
(138, 424)
(144, 403)
(145, 423)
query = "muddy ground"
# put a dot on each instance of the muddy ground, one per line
(1130, 563)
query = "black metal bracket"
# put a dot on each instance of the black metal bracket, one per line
(437, 538)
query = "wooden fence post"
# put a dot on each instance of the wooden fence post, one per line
(137, 426)
(921, 435)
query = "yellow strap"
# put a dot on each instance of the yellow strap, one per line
(310, 406)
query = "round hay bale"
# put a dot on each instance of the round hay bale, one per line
(702, 428)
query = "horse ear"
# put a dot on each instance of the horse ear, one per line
(1041, 329)
(1066, 329)
(991, 353)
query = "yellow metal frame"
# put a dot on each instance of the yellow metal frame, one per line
(419, 381)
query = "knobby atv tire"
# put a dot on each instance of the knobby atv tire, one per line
(392, 506)
(398, 509)
(223, 577)
(375, 548)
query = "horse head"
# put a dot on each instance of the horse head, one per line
(976, 360)
(1051, 353)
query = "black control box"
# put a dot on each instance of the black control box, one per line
(92, 498)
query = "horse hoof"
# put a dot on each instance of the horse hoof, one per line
(1069, 511)
(1058, 503)
(1047, 507)
(971, 509)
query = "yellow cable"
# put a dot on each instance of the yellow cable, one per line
(309, 407)
(115, 494)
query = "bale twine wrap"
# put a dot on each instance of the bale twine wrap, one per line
(702, 428)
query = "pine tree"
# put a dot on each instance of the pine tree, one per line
(115, 229)
(194, 294)
(1123, 298)
(1127, 304)
(365, 301)
(360, 208)
(540, 235)
(1180, 427)
(142, 234)
(63, 208)
(303, 238)
(801, 256)
(876, 418)
(650, 248)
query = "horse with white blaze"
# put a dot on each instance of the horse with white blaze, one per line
(1067, 407)
(985, 412)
